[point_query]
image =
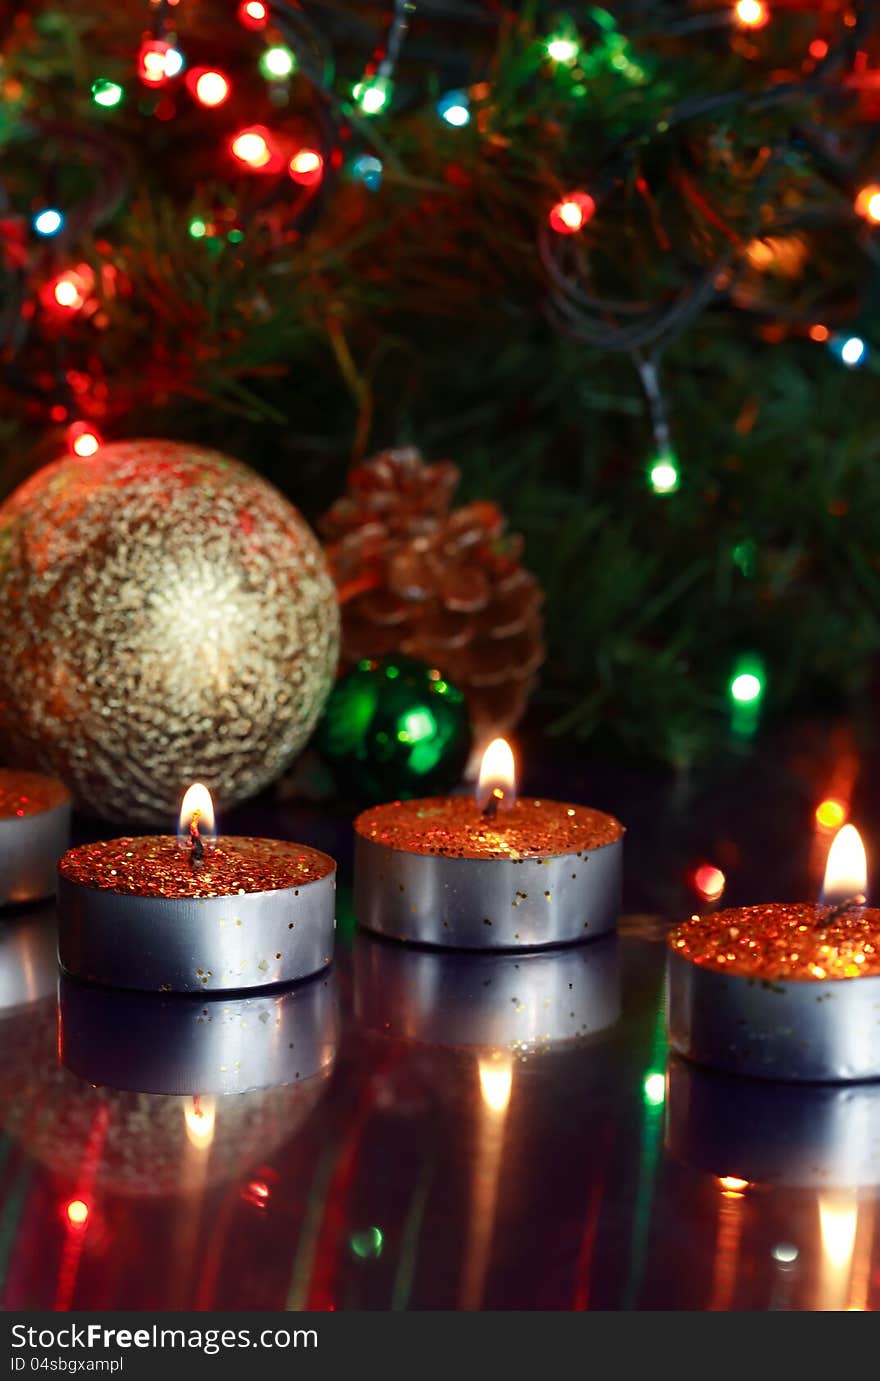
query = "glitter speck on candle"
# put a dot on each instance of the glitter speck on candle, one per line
(455, 827)
(154, 866)
(777, 942)
(28, 793)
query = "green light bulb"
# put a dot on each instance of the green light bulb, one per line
(277, 62)
(372, 96)
(654, 1089)
(106, 93)
(663, 473)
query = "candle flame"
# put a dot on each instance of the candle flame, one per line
(199, 1115)
(496, 787)
(196, 816)
(496, 1079)
(846, 872)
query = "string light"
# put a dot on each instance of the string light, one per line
(663, 474)
(572, 213)
(851, 350)
(709, 881)
(83, 440)
(453, 108)
(158, 62)
(753, 14)
(372, 96)
(251, 146)
(210, 87)
(562, 49)
(306, 167)
(830, 814)
(106, 93)
(747, 682)
(818, 49)
(253, 14)
(277, 62)
(173, 62)
(198, 228)
(67, 294)
(76, 1211)
(48, 222)
(654, 1089)
(368, 170)
(867, 203)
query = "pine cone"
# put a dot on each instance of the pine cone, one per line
(443, 585)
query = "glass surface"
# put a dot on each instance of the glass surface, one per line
(442, 1131)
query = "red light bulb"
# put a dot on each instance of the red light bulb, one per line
(253, 14)
(251, 147)
(67, 294)
(151, 62)
(571, 214)
(83, 440)
(76, 1211)
(306, 167)
(210, 87)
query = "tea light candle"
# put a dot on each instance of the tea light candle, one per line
(195, 913)
(518, 1002)
(34, 832)
(783, 991)
(487, 873)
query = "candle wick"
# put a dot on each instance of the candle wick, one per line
(196, 847)
(840, 910)
(490, 809)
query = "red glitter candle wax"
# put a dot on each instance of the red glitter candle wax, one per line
(494, 872)
(783, 991)
(194, 913)
(34, 832)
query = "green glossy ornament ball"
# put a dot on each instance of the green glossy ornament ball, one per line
(394, 729)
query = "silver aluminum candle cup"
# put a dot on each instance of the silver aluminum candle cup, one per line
(516, 1001)
(485, 903)
(31, 844)
(822, 1029)
(813, 1136)
(189, 944)
(149, 1043)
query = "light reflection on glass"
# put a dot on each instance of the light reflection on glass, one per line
(199, 1116)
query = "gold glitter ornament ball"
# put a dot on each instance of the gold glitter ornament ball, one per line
(167, 617)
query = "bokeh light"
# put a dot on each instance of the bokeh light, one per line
(830, 814)
(83, 440)
(709, 881)
(753, 14)
(277, 62)
(48, 222)
(453, 108)
(571, 213)
(211, 88)
(562, 49)
(76, 1211)
(663, 474)
(306, 167)
(251, 146)
(654, 1089)
(106, 93)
